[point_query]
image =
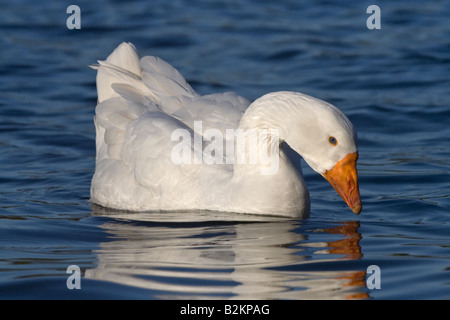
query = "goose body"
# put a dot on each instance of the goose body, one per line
(161, 146)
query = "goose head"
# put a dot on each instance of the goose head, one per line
(322, 135)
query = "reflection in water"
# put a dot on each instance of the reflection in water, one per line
(212, 255)
(350, 244)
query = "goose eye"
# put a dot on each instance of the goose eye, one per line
(332, 140)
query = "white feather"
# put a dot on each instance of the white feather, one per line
(143, 102)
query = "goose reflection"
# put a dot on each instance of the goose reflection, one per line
(212, 255)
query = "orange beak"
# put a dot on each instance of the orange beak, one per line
(344, 179)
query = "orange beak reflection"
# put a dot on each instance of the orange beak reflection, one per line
(344, 179)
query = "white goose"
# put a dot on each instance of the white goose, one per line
(147, 113)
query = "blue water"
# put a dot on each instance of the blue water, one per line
(393, 83)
